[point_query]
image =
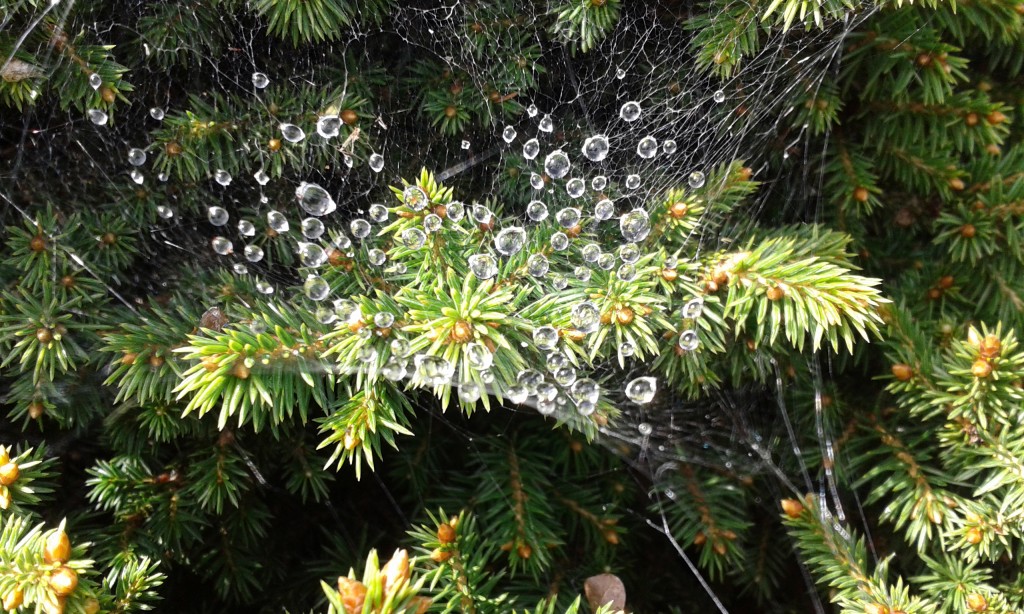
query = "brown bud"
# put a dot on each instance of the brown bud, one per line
(446, 534)
(669, 274)
(14, 599)
(990, 347)
(173, 149)
(934, 294)
(699, 538)
(274, 144)
(792, 508)
(719, 547)
(876, 608)
(678, 210)
(968, 231)
(976, 602)
(450, 112)
(57, 548)
(946, 282)
(574, 232)
(746, 173)
(624, 316)
(524, 551)
(36, 410)
(973, 536)
(91, 605)
(981, 368)
(349, 116)
(63, 581)
(861, 194)
(995, 118)
(441, 556)
(108, 95)
(611, 537)
(487, 226)
(575, 335)
(353, 594)
(351, 440)
(775, 293)
(396, 571)
(156, 361)
(462, 332)
(240, 370)
(972, 119)
(902, 372)
(9, 473)
(956, 184)
(44, 335)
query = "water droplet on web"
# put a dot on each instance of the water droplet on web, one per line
(632, 181)
(641, 391)
(545, 337)
(585, 408)
(218, 216)
(469, 392)
(164, 212)
(481, 214)
(455, 211)
(376, 162)
(433, 370)
(253, 253)
(718, 96)
(595, 148)
(591, 253)
(626, 272)
(537, 211)
(261, 177)
(384, 319)
(376, 256)
(277, 221)
(568, 217)
(508, 134)
(620, 74)
(239, 269)
(604, 209)
(156, 113)
(630, 111)
(415, 198)
(316, 288)
(559, 241)
(546, 125)
(555, 361)
(627, 349)
(394, 370)
(325, 315)
(582, 273)
(671, 262)
(510, 240)
(222, 177)
(537, 265)
(532, 110)
(292, 133)
(136, 156)
(342, 242)
(647, 148)
(644, 428)
(97, 117)
(557, 164)
(312, 228)
(378, 213)
(688, 340)
(696, 180)
(162, 177)
(606, 262)
(465, 144)
(313, 199)
(432, 223)
(221, 245)
(585, 317)
(536, 181)
(692, 309)
(137, 176)
(599, 183)
(575, 187)
(399, 347)
(367, 353)
(327, 126)
(669, 146)
(260, 80)
(585, 389)
(95, 80)
(517, 394)
(559, 281)
(484, 266)
(635, 225)
(531, 148)
(246, 228)
(414, 238)
(264, 288)
(629, 253)
(478, 356)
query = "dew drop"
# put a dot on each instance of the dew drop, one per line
(630, 111)
(261, 177)
(718, 96)
(415, 198)
(559, 241)
(260, 80)
(164, 212)
(595, 148)
(218, 216)
(575, 187)
(277, 221)
(635, 225)
(384, 319)
(510, 240)
(536, 181)
(585, 317)
(376, 256)
(469, 392)
(292, 133)
(378, 213)
(264, 288)
(644, 428)
(508, 134)
(545, 337)
(455, 211)
(246, 228)
(641, 391)
(221, 245)
(632, 181)
(692, 309)
(688, 340)
(327, 126)
(156, 113)
(532, 110)
(312, 228)
(95, 80)
(137, 176)
(531, 149)
(696, 180)
(604, 209)
(465, 144)
(647, 148)
(432, 223)
(484, 266)
(253, 253)
(376, 162)
(568, 217)
(313, 199)
(556, 165)
(620, 74)
(478, 356)
(136, 156)
(537, 265)
(414, 238)
(316, 288)
(546, 125)
(669, 146)
(537, 211)
(97, 117)
(599, 183)
(222, 177)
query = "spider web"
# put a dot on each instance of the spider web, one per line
(647, 60)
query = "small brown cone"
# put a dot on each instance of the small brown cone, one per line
(64, 581)
(446, 534)
(793, 508)
(605, 589)
(57, 548)
(981, 368)
(902, 372)
(353, 594)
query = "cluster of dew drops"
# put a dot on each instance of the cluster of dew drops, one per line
(317, 202)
